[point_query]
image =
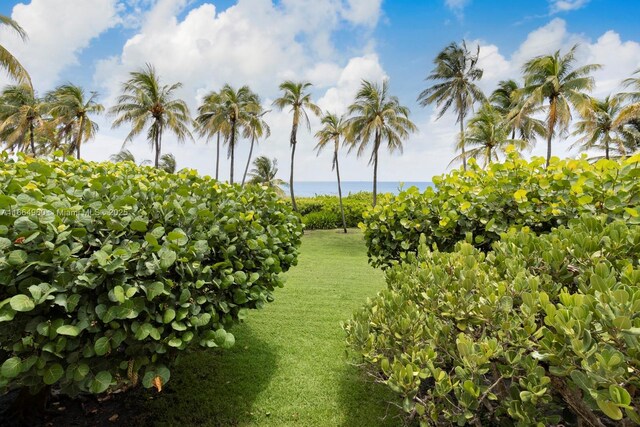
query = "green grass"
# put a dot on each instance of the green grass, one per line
(289, 365)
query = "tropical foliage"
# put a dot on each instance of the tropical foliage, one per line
(7, 61)
(481, 204)
(297, 99)
(541, 330)
(265, 172)
(108, 271)
(376, 118)
(455, 73)
(147, 104)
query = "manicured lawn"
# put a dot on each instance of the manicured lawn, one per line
(289, 365)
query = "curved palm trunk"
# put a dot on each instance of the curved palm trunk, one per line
(218, 156)
(464, 154)
(79, 137)
(294, 132)
(232, 147)
(375, 168)
(32, 138)
(551, 126)
(246, 169)
(335, 162)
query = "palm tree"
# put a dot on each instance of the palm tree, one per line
(256, 128)
(455, 72)
(296, 97)
(597, 127)
(127, 156)
(21, 114)
(629, 117)
(489, 134)
(168, 163)
(71, 107)
(7, 61)
(264, 173)
(508, 100)
(228, 112)
(145, 103)
(378, 116)
(208, 124)
(334, 128)
(554, 78)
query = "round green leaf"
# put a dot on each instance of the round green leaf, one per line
(101, 382)
(53, 373)
(22, 303)
(11, 367)
(68, 330)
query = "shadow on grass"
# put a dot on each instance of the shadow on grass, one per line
(216, 387)
(363, 400)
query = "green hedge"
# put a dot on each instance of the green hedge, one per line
(485, 203)
(323, 212)
(540, 330)
(108, 270)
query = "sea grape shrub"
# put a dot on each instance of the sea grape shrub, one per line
(107, 270)
(323, 212)
(539, 330)
(480, 204)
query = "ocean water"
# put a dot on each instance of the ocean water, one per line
(316, 188)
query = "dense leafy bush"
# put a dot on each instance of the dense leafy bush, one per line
(541, 329)
(323, 212)
(486, 203)
(108, 270)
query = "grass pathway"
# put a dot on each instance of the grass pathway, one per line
(289, 367)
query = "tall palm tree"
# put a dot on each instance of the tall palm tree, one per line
(73, 109)
(21, 114)
(146, 103)
(377, 117)
(334, 129)
(555, 79)
(256, 128)
(7, 61)
(597, 127)
(508, 100)
(296, 97)
(265, 172)
(488, 134)
(456, 70)
(209, 124)
(228, 112)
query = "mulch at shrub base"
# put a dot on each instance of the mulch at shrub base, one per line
(118, 409)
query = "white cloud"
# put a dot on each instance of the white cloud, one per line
(557, 6)
(58, 31)
(457, 6)
(619, 59)
(254, 42)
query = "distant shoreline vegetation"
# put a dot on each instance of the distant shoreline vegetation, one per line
(329, 188)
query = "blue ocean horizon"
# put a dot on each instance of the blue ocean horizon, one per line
(330, 188)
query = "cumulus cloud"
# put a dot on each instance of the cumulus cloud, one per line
(58, 31)
(557, 6)
(255, 42)
(457, 6)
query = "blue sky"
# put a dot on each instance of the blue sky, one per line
(333, 43)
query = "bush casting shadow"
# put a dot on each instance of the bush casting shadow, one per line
(216, 387)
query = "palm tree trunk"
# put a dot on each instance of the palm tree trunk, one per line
(550, 127)
(218, 156)
(158, 147)
(606, 148)
(294, 132)
(79, 137)
(232, 147)
(461, 120)
(246, 169)
(375, 167)
(32, 138)
(335, 160)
